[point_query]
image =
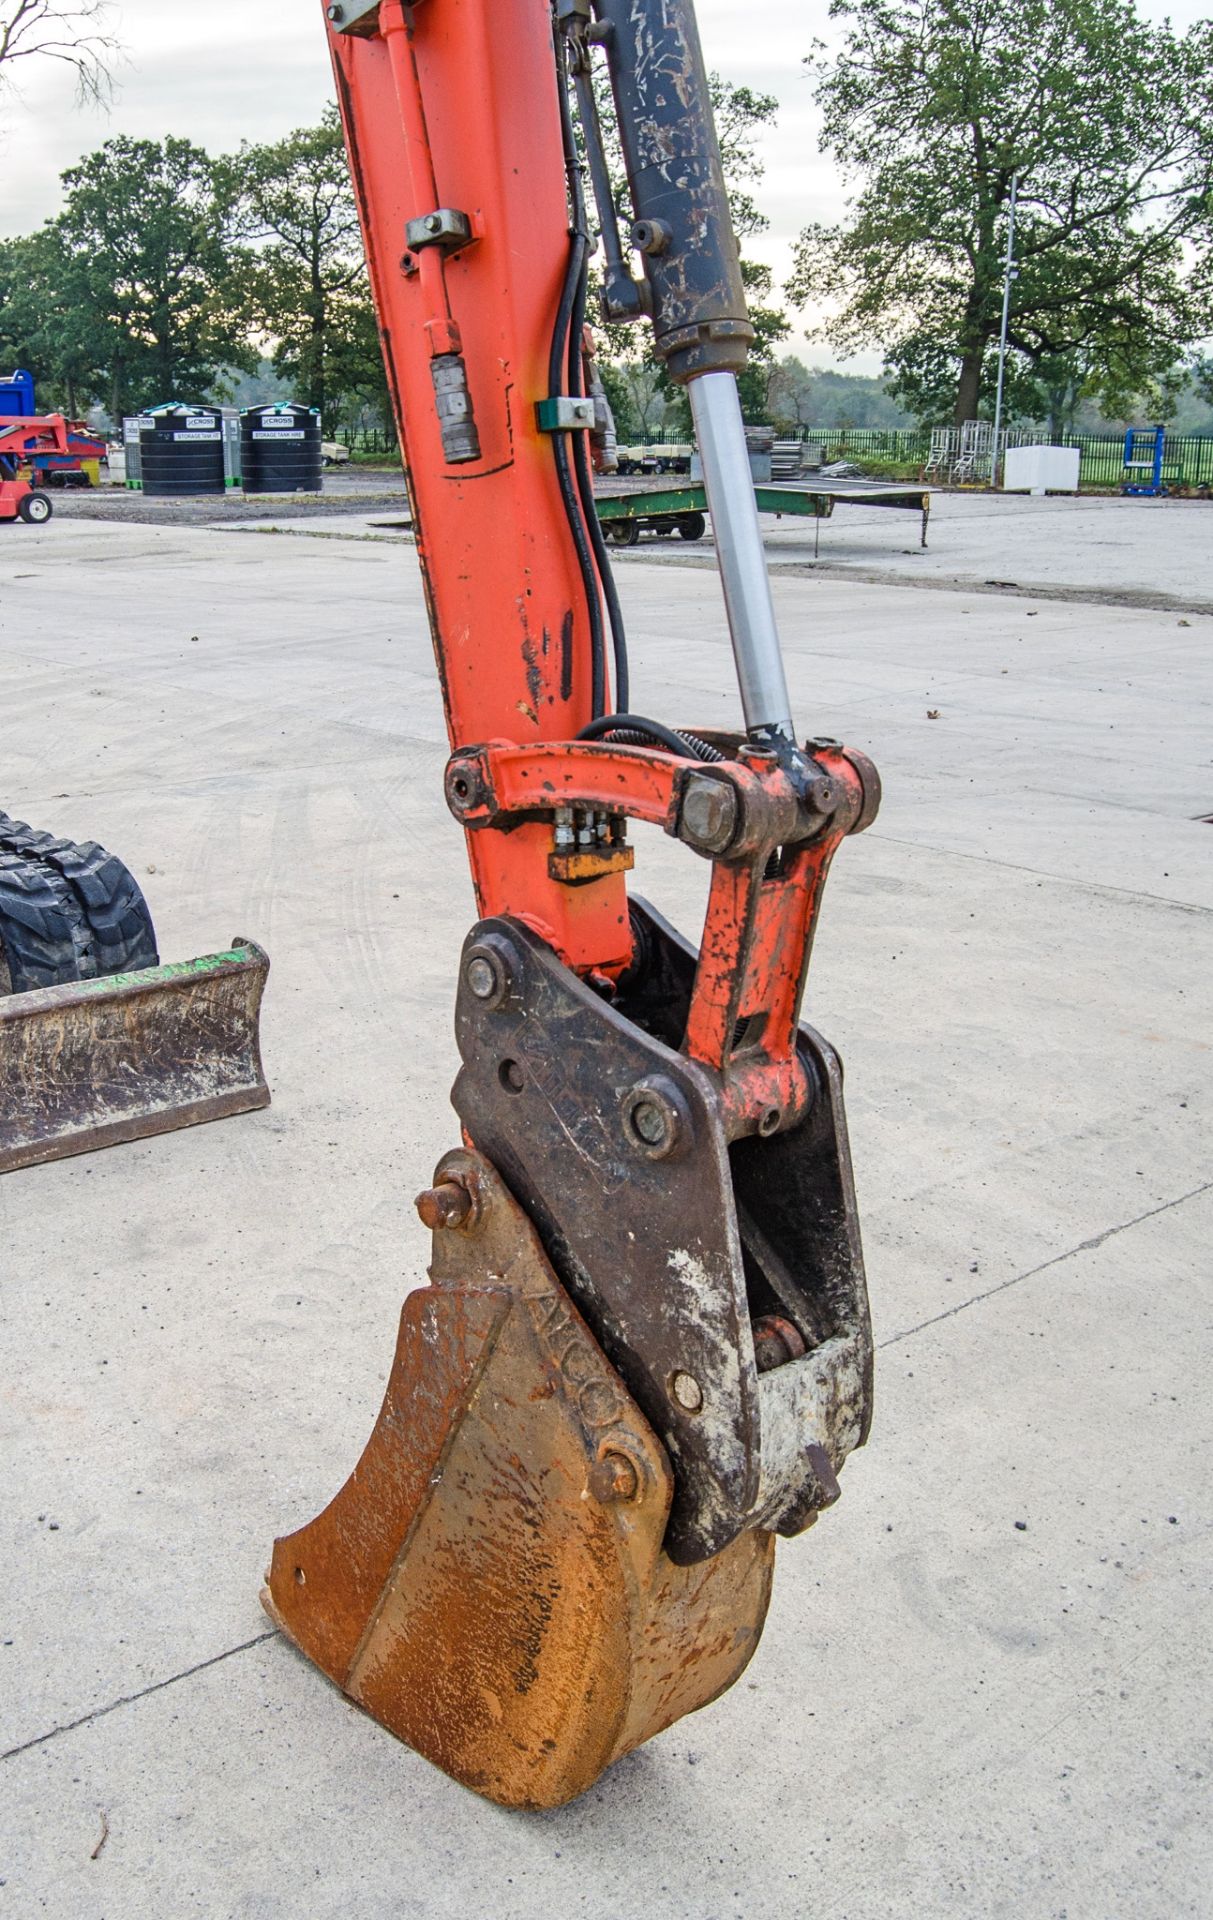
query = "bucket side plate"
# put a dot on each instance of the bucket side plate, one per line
(490, 1583)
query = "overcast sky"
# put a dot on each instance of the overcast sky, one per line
(225, 72)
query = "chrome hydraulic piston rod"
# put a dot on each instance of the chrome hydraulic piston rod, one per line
(683, 232)
(720, 436)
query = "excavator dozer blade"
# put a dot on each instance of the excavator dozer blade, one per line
(97, 1062)
(490, 1583)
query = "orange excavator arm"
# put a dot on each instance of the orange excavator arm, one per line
(645, 1350)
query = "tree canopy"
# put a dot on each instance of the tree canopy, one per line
(138, 276)
(931, 107)
(169, 273)
(307, 280)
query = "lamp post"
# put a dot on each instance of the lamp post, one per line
(1009, 274)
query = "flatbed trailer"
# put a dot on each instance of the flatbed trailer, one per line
(683, 509)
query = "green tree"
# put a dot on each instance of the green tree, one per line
(931, 107)
(48, 325)
(742, 116)
(791, 395)
(638, 401)
(308, 283)
(151, 274)
(73, 32)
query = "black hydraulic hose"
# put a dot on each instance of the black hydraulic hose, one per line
(564, 474)
(581, 458)
(589, 506)
(633, 729)
(558, 357)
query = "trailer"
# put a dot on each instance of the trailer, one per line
(682, 510)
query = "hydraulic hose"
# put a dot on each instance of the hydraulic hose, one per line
(571, 294)
(633, 729)
(585, 489)
(564, 473)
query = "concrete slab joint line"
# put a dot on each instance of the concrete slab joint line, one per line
(128, 1699)
(1042, 873)
(1083, 1246)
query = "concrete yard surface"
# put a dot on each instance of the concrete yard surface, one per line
(1123, 551)
(984, 1687)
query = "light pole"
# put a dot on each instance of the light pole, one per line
(1009, 274)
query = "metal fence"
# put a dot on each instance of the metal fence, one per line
(366, 439)
(860, 443)
(1187, 459)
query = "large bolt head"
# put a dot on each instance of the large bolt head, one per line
(481, 977)
(657, 1118)
(490, 968)
(708, 820)
(614, 1477)
(686, 1392)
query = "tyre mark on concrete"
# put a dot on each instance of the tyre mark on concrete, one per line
(1041, 873)
(1083, 1246)
(127, 1699)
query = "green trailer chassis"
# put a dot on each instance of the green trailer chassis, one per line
(682, 509)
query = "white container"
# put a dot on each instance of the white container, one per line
(1040, 470)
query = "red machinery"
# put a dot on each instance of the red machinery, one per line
(646, 1348)
(21, 439)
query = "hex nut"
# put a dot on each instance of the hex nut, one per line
(614, 1477)
(822, 1466)
(708, 817)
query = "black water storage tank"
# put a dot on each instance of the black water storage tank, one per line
(280, 450)
(181, 450)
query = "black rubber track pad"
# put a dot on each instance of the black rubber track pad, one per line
(44, 939)
(119, 925)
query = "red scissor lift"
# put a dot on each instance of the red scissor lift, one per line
(20, 440)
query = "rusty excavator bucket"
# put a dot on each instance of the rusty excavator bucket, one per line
(490, 1583)
(641, 1356)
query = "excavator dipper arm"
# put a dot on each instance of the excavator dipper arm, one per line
(646, 1346)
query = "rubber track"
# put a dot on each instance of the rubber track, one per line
(120, 935)
(43, 932)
